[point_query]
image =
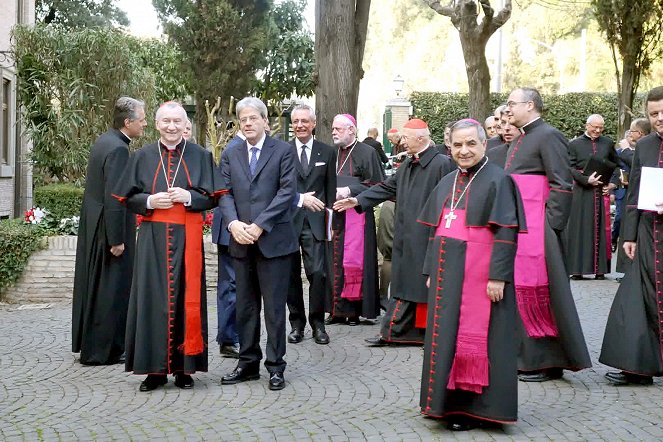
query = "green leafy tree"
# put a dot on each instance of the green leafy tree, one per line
(633, 30)
(474, 35)
(289, 62)
(68, 82)
(80, 13)
(222, 43)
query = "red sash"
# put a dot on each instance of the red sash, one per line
(470, 365)
(193, 252)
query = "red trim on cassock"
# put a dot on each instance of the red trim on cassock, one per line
(505, 241)
(193, 228)
(121, 199)
(560, 190)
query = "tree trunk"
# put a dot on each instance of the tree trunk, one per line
(201, 120)
(340, 36)
(478, 76)
(626, 98)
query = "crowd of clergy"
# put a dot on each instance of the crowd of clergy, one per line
(479, 238)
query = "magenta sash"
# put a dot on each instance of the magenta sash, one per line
(531, 273)
(608, 232)
(469, 370)
(353, 255)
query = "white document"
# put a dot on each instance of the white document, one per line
(651, 189)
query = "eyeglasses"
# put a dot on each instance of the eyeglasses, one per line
(511, 104)
(595, 127)
(251, 119)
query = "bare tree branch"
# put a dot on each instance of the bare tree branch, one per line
(436, 5)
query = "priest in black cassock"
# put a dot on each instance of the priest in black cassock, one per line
(105, 248)
(634, 332)
(551, 337)
(508, 131)
(354, 263)
(587, 238)
(170, 182)
(474, 216)
(405, 319)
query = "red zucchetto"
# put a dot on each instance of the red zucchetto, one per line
(416, 123)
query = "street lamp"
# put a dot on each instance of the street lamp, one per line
(398, 85)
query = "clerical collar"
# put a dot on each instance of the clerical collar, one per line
(177, 146)
(350, 146)
(531, 125)
(420, 153)
(592, 139)
(126, 137)
(472, 169)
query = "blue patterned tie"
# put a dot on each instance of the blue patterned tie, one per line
(254, 160)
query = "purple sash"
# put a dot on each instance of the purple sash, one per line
(470, 365)
(531, 273)
(353, 255)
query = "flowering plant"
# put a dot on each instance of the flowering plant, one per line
(35, 215)
(207, 222)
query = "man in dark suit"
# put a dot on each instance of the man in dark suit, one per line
(226, 293)
(316, 187)
(372, 140)
(261, 185)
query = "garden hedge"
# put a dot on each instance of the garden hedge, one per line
(61, 200)
(18, 241)
(566, 112)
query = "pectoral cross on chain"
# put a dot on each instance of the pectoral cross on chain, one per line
(449, 217)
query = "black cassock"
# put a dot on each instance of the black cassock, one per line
(410, 186)
(623, 261)
(497, 154)
(586, 240)
(541, 150)
(493, 202)
(156, 320)
(359, 167)
(634, 332)
(102, 282)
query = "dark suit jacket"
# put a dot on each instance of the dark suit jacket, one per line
(219, 234)
(266, 199)
(375, 144)
(321, 179)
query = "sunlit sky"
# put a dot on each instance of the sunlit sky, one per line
(144, 23)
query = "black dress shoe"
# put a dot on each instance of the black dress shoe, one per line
(240, 374)
(623, 378)
(353, 321)
(555, 373)
(335, 320)
(376, 341)
(183, 381)
(320, 336)
(296, 336)
(462, 424)
(534, 376)
(229, 350)
(153, 381)
(577, 277)
(599, 277)
(276, 381)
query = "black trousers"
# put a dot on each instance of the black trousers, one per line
(260, 277)
(313, 252)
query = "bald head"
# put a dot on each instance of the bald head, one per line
(490, 124)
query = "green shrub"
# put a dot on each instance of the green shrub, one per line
(61, 200)
(566, 112)
(17, 242)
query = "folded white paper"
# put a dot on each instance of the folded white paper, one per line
(651, 189)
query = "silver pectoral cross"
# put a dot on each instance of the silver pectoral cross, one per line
(449, 217)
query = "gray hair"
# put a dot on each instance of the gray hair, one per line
(643, 125)
(534, 96)
(502, 109)
(304, 107)
(252, 102)
(170, 105)
(593, 117)
(126, 108)
(464, 124)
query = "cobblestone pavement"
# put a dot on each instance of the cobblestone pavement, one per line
(343, 391)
